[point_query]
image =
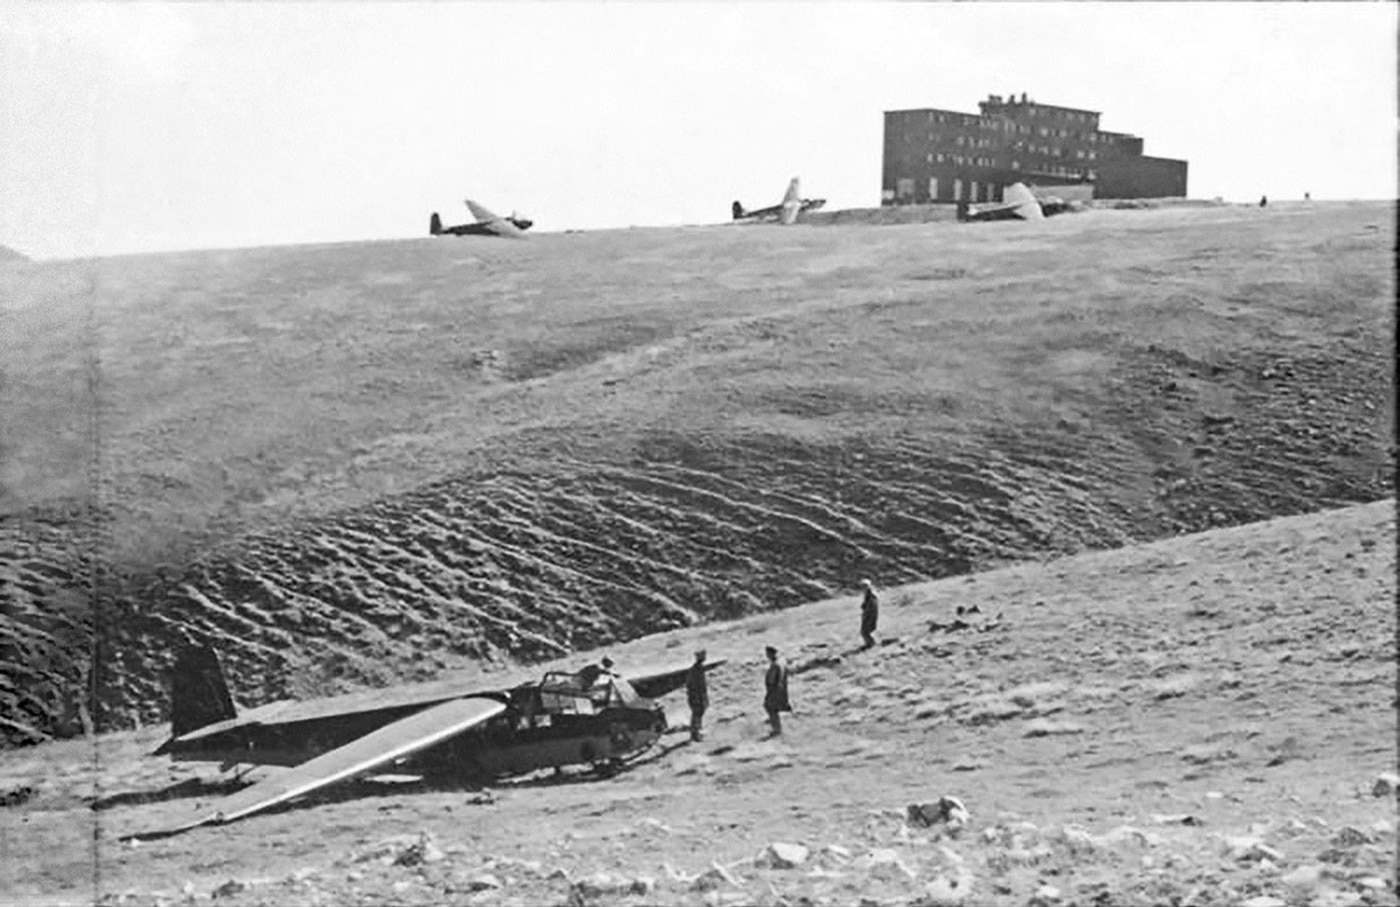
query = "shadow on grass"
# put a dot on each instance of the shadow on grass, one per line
(190, 787)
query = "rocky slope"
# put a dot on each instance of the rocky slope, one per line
(349, 466)
(1205, 720)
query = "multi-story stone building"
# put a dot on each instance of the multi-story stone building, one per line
(936, 155)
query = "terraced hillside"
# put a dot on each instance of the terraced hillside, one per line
(354, 464)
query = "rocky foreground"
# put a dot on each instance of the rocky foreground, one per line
(1206, 720)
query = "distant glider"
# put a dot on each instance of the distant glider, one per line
(1018, 203)
(784, 212)
(487, 224)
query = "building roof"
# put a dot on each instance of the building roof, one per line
(1033, 103)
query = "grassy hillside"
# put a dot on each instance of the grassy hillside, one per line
(347, 464)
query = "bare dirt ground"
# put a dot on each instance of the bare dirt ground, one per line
(1195, 721)
(353, 465)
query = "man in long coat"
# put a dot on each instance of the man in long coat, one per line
(869, 614)
(775, 698)
(697, 695)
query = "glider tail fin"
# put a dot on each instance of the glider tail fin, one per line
(434, 225)
(199, 694)
(737, 210)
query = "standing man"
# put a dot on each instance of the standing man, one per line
(775, 699)
(869, 614)
(697, 694)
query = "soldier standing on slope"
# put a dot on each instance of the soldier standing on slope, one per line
(697, 695)
(775, 699)
(869, 614)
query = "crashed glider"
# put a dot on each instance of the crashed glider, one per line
(586, 717)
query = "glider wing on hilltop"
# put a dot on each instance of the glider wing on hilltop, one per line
(785, 212)
(486, 224)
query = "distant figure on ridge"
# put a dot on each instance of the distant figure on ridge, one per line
(775, 699)
(697, 695)
(869, 614)
(1263, 201)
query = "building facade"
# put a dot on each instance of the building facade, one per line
(936, 155)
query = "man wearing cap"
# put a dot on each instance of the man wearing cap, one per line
(775, 699)
(697, 695)
(869, 613)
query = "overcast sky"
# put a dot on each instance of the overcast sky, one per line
(134, 127)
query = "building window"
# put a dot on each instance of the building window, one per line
(939, 157)
(887, 195)
(904, 188)
(933, 189)
(957, 190)
(928, 158)
(1015, 165)
(972, 191)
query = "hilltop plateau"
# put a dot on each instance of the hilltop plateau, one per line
(1203, 720)
(357, 464)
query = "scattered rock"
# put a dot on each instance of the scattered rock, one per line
(600, 883)
(885, 863)
(780, 855)
(715, 877)
(946, 891)
(483, 882)
(1127, 833)
(1264, 900)
(1044, 727)
(386, 850)
(23, 794)
(1352, 837)
(948, 811)
(1307, 876)
(1077, 840)
(1330, 897)
(1176, 819)
(511, 864)
(1045, 895)
(1387, 785)
(228, 889)
(1247, 849)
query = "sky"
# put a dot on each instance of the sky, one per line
(149, 127)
